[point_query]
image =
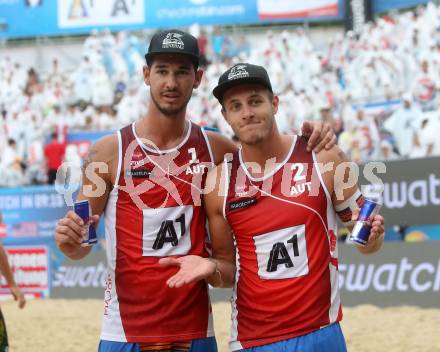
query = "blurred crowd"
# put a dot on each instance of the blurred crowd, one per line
(379, 89)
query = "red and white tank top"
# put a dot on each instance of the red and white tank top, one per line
(154, 211)
(284, 226)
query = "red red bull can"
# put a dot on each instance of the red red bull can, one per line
(362, 228)
(83, 210)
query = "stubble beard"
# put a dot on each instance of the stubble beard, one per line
(253, 140)
(169, 112)
(258, 137)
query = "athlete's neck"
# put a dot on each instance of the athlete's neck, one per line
(271, 151)
(166, 132)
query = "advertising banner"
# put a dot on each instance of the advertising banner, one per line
(19, 18)
(30, 266)
(79, 13)
(419, 233)
(287, 9)
(385, 5)
(34, 18)
(408, 189)
(401, 273)
(31, 18)
(31, 211)
(165, 13)
(357, 13)
(84, 278)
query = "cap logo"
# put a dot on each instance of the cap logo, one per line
(173, 40)
(238, 71)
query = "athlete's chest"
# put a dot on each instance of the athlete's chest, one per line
(275, 221)
(183, 169)
(287, 197)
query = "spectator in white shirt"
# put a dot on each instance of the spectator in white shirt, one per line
(428, 140)
(403, 124)
(11, 172)
(81, 81)
(102, 91)
(386, 152)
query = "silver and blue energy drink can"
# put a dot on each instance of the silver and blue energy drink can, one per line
(362, 228)
(83, 210)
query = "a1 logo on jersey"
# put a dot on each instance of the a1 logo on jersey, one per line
(282, 254)
(166, 231)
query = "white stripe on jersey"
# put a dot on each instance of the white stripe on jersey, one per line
(211, 156)
(112, 329)
(226, 169)
(335, 299)
(234, 344)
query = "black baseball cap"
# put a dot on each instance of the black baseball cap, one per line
(240, 74)
(173, 41)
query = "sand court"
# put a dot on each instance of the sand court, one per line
(55, 325)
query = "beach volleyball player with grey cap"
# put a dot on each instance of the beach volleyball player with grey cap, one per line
(152, 175)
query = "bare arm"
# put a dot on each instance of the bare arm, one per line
(219, 271)
(223, 249)
(341, 182)
(6, 271)
(98, 176)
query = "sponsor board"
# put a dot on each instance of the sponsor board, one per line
(63, 17)
(409, 192)
(86, 13)
(357, 14)
(386, 5)
(422, 233)
(287, 9)
(84, 278)
(401, 273)
(31, 211)
(30, 266)
(70, 17)
(166, 13)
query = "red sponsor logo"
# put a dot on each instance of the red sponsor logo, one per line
(333, 240)
(30, 266)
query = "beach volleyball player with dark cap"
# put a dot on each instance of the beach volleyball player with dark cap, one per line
(152, 175)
